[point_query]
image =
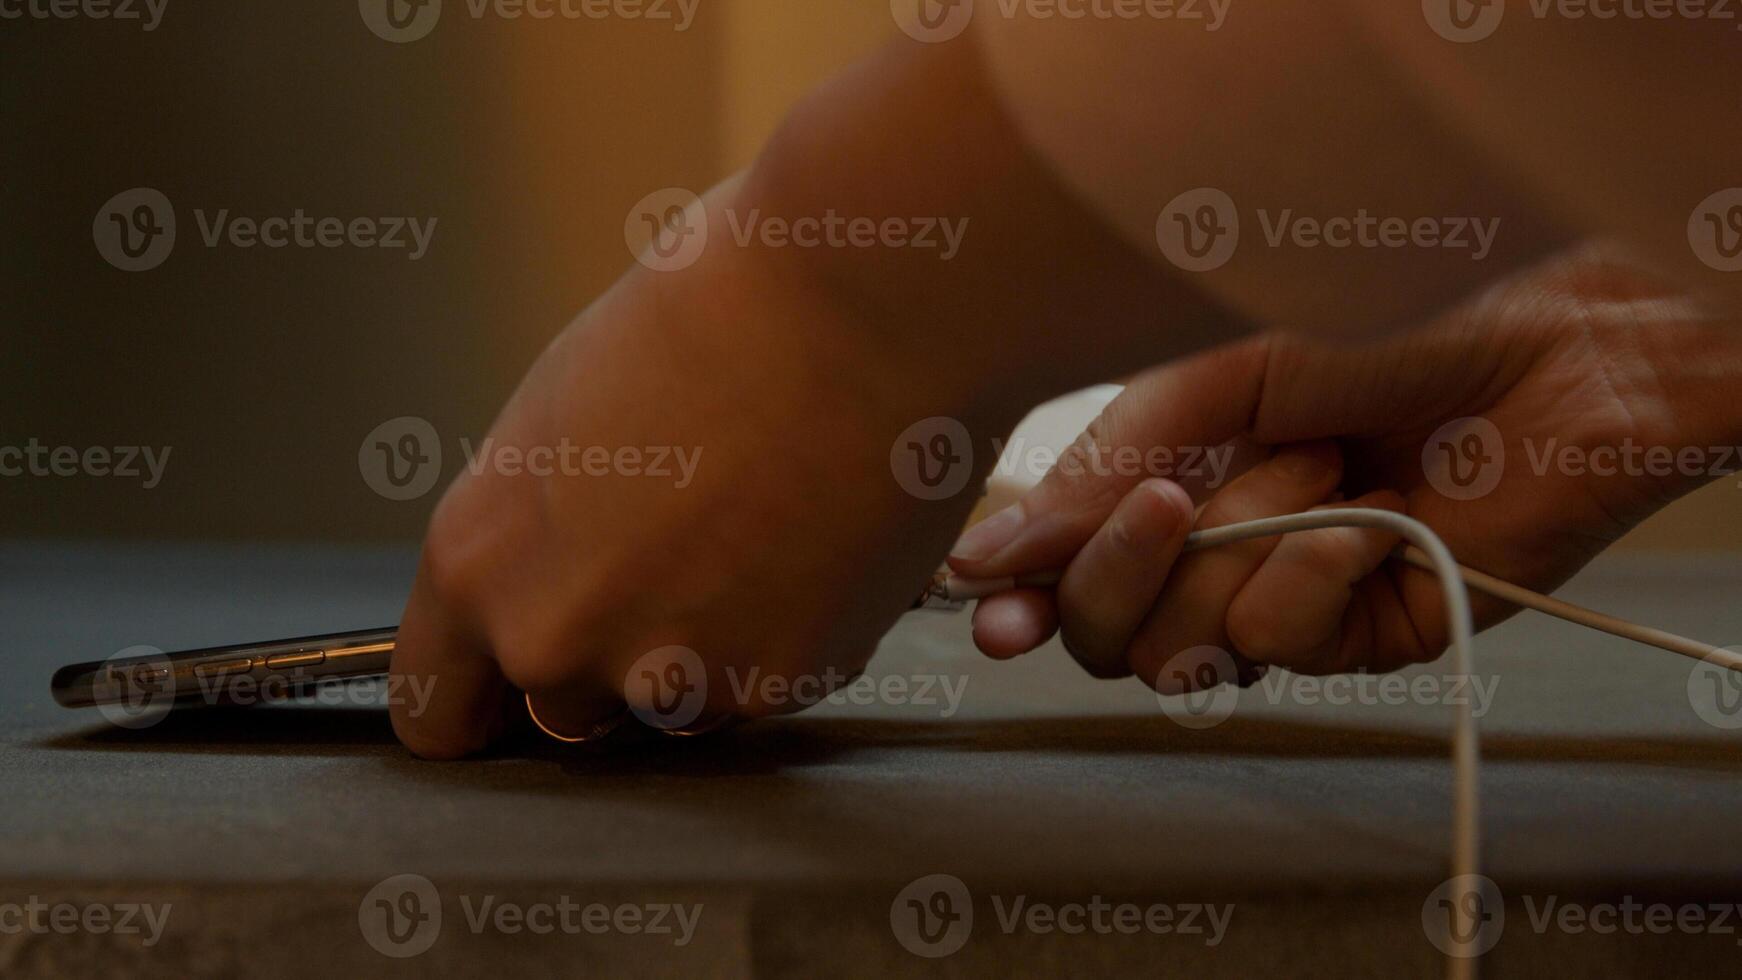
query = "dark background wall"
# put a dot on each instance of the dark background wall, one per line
(263, 369)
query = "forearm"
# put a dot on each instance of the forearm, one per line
(1042, 295)
(1553, 128)
(1055, 156)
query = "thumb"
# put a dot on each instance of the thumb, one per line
(1189, 406)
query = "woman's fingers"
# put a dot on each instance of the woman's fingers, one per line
(1291, 612)
(1162, 419)
(1193, 608)
(1111, 584)
(1010, 624)
(464, 683)
(460, 711)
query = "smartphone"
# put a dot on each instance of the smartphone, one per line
(247, 674)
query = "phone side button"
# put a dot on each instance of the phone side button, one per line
(223, 668)
(291, 661)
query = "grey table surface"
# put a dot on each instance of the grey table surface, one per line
(1606, 779)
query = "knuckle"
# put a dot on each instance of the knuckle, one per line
(1098, 658)
(1257, 630)
(451, 561)
(1077, 459)
(1325, 556)
(1148, 656)
(1081, 462)
(1227, 507)
(536, 658)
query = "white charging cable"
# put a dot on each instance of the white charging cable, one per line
(1428, 552)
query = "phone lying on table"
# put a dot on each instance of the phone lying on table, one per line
(245, 674)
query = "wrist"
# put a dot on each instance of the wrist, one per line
(868, 350)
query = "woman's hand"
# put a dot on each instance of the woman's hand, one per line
(1583, 354)
(785, 550)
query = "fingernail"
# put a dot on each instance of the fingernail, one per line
(990, 536)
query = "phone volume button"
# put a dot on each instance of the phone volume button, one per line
(223, 668)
